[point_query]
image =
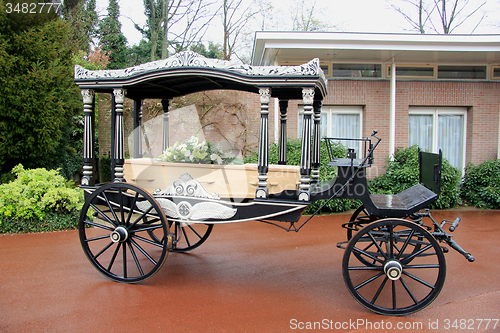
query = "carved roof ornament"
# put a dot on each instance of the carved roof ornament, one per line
(195, 60)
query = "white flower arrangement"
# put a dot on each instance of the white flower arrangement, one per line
(194, 151)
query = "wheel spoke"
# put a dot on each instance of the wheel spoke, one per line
(358, 251)
(377, 294)
(183, 232)
(124, 260)
(394, 298)
(405, 245)
(377, 245)
(408, 291)
(106, 217)
(148, 228)
(131, 210)
(416, 254)
(111, 208)
(143, 252)
(365, 268)
(97, 238)
(135, 258)
(391, 241)
(427, 284)
(112, 261)
(422, 266)
(103, 250)
(160, 245)
(141, 217)
(364, 283)
(98, 225)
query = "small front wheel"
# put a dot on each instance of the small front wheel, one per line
(394, 267)
(123, 242)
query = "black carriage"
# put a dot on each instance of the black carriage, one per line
(393, 263)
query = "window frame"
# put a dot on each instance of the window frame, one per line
(381, 67)
(330, 110)
(428, 77)
(435, 112)
(493, 77)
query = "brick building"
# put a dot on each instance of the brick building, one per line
(445, 95)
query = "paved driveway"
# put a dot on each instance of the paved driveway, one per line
(248, 277)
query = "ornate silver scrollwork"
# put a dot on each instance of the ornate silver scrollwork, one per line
(192, 59)
(187, 186)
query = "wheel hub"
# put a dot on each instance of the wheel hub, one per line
(393, 269)
(119, 235)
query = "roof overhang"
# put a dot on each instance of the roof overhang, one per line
(273, 47)
(188, 72)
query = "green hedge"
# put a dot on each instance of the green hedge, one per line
(325, 172)
(38, 200)
(481, 185)
(402, 173)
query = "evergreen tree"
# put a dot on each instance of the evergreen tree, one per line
(83, 22)
(38, 98)
(111, 37)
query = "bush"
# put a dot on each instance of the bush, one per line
(481, 184)
(403, 172)
(38, 200)
(325, 172)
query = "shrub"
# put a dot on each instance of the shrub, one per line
(403, 172)
(325, 172)
(38, 200)
(481, 184)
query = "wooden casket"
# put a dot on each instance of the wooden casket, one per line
(227, 181)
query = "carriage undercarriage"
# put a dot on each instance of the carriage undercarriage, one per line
(393, 262)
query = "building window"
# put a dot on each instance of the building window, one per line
(339, 122)
(439, 128)
(462, 72)
(495, 72)
(356, 70)
(413, 71)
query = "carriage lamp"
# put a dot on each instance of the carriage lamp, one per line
(351, 153)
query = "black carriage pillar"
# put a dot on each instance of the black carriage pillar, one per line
(282, 158)
(305, 153)
(165, 142)
(119, 135)
(263, 163)
(315, 158)
(88, 137)
(137, 128)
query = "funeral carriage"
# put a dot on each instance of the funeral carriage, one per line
(393, 262)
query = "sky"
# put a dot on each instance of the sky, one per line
(374, 16)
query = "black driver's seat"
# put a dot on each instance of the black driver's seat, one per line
(414, 198)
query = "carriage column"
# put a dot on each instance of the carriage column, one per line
(282, 158)
(263, 163)
(315, 158)
(137, 128)
(165, 143)
(88, 137)
(119, 142)
(305, 153)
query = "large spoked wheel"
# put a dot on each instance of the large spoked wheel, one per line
(116, 235)
(188, 236)
(408, 269)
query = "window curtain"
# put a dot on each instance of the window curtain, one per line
(420, 131)
(450, 138)
(346, 126)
